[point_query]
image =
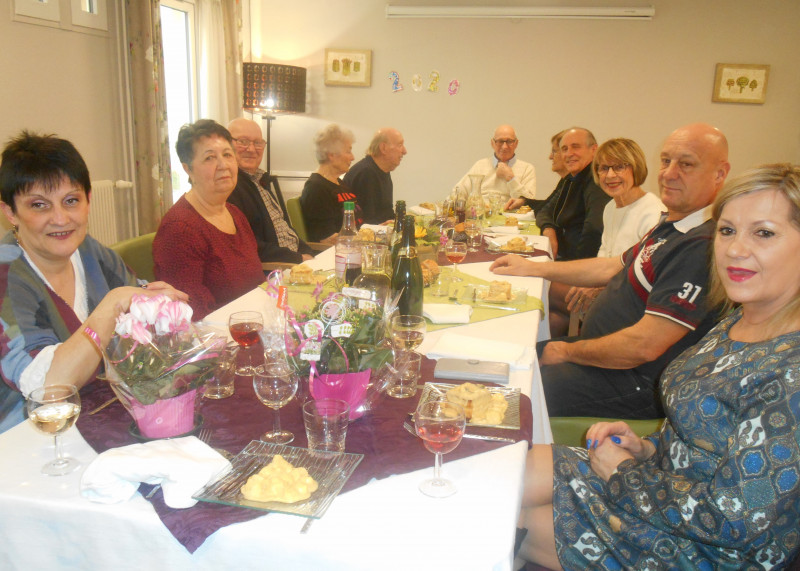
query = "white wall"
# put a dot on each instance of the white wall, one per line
(63, 82)
(634, 79)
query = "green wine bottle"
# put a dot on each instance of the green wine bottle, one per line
(407, 272)
(397, 234)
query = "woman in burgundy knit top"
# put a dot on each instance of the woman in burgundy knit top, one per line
(204, 245)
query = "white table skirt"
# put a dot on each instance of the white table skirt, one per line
(387, 524)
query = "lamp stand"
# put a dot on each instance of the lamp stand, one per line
(269, 119)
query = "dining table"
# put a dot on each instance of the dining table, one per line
(380, 519)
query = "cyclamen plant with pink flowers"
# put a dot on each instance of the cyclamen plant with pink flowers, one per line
(158, 353)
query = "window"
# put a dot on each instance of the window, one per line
(178, 38)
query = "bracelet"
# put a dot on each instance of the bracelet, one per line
(95, 338)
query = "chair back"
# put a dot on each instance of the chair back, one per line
(296, 218)
(137, 253)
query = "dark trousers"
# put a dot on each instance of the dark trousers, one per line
(579, 390)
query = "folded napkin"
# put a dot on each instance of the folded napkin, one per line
(181, 465)
(446, 312)
(502, 230)
(453, 345)
(419, 211)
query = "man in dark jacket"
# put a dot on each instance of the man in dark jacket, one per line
(262, 202)
(573, 218)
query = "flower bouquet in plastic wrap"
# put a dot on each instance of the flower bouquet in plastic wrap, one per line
(339, 343)
(158, 363)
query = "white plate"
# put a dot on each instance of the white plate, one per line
(330, 471)
(438, 391)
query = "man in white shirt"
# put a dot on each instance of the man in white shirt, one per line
(504, 175)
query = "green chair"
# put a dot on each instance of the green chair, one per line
(571, 430)
(295, 212)
(138, 254)
(296, 218)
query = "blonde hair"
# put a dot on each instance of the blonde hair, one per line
(625, 151)
(781, 177)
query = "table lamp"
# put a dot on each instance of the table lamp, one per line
(271, 88)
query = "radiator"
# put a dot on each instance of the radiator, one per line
(112, 214)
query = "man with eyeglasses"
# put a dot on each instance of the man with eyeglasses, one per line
(573, 217)
(654, 303)
(262, 202)
(371, 179)
(504, 175)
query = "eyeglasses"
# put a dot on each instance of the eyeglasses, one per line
(618, 169)
(501, 142)
(245, 143)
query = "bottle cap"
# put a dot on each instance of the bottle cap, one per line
(349, 205)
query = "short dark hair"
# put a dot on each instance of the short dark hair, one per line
(193, 132)
(30, 159)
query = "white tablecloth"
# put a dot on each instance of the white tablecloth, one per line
(387, 524)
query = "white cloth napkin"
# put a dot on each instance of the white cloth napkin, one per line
(453, 345)
(181, 465)
(419, 211)
(446, 312)
(502, 230)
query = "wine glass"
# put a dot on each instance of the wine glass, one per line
(53, 409)
(441, 425)
(245, 328)
(472, 228)
(455, 252)
(408, 332)
(275, 384)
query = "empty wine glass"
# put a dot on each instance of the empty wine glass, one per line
(408, 332)
(275, 384)
(245, 328)
(455, 252)
(441, 425)
(53, 409)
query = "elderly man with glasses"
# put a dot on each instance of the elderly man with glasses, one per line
(262, 202)
(504, 175)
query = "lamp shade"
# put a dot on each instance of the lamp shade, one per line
(274, 87)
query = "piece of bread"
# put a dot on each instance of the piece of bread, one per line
(302, 274)
(524, 209)
(480, 405)
(366, 235)
(499, 290)
(516, 244)
(511, 221)
(428, 205)
(432, 266)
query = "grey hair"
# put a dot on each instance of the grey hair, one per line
(330, 140)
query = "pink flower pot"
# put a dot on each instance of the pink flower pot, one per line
(349, 387)
(165, 418)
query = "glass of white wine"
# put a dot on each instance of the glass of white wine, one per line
(53, 409)
(408, 332)
(275, 384)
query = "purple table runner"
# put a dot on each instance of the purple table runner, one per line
(388, 449)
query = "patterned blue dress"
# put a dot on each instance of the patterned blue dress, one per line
(722, 490)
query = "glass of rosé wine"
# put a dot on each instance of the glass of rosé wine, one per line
(441, 425)
(245, 328)
(53, 409)
(455, 252)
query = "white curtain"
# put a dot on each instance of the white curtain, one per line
(219, 68)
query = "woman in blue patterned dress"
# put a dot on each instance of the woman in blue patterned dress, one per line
(718, 487)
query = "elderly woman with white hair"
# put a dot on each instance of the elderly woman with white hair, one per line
(324, 194)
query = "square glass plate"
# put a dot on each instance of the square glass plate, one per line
(530, 215)
(497, 244)
(317, 276)
(438, 391)
(518, 296)
(331, 471)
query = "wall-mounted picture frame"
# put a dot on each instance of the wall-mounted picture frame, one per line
(352, 68)
(740, 83)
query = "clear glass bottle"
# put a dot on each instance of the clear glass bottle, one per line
(460, 204)
(475, 206)
(348, 249)
(407, 273)
(374, 281)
